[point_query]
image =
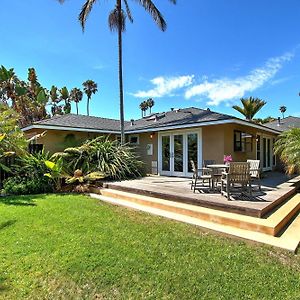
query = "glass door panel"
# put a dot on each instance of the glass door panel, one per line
(192, 148)
(178, 153)
(166, 150)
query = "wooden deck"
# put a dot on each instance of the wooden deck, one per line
(276, 188)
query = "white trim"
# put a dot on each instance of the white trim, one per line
(184, 126)
(134, 136)
(163, 128)
(35, 126)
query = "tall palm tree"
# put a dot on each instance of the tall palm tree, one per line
(117, 22)
(76, 95)
(143, 108)
(89, 87)
(150, 103)
(282, 109)
(250, 107)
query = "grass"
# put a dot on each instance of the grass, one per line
(74, 247)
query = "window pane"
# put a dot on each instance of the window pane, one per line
(192, 150)
(166, 153)
(178, 153)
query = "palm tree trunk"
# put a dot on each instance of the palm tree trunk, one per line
(119, 7)
(77, 107)
(88, 106)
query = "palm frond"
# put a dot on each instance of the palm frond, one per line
(114, 21)
(85, 11)
(128, 11)
(150, 7)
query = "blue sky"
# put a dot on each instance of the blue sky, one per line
(213, 53)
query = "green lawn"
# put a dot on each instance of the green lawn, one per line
(74, 247)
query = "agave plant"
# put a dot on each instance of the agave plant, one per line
(110, 158)
(80, 177)
(288, 148)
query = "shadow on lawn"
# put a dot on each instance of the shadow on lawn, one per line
(3, 225)
(28, 200)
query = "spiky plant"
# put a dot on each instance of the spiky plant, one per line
(288, 148)
(117, 22)
(250, 107)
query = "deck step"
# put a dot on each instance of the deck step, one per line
(271, 225)
(289, 240)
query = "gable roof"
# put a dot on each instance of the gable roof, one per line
(284, 124)
(177, 118)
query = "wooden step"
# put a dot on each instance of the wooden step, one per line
(289, 240)
(271, 225)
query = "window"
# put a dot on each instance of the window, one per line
(134, 139)
(242, 141)
(35, 148)
(237, 141)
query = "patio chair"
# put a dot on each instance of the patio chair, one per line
(203, 175)
(238, 174)
(215, 173)
(255, 171)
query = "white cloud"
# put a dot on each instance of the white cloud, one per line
(226, 89)
(165, 86)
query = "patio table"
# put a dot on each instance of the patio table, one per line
(215, 172)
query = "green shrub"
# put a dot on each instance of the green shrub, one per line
(113, 160)
(23, 186)
(29, 176)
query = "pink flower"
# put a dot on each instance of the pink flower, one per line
(227, 159)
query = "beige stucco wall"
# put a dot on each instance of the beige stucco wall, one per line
(146, 139)
(54, 140)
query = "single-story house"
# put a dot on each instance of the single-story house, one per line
(167, 141)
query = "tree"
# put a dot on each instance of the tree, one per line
(76, 96)
(150, 103)
(144, 107)
(89, 88)
(65, 96)
(264, 120)
(250, 107)
(117, 22)
(287, 147)
(282, 109)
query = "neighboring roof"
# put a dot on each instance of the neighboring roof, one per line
(284, 124)
(72, 121)
(176, 118)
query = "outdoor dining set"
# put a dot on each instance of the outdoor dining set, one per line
(226, 178)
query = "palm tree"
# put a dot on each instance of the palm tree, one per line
(89, 88)
(288, 147)
(250, 107)
(117, 22)
(282, 109)
(150, 103)
(76, 96)
(143, 107)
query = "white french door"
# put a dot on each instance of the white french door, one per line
(265, 152)
(176, 149)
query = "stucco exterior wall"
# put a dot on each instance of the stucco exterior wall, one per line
(55, 140)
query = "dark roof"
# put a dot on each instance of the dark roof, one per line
(284, 124)
(81, 121)
(177, 117)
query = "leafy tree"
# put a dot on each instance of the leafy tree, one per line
(65, 96)
(264, 120)
(150, 103)
(282, 109)
(288, 147)
(12, 140)
(117, 22)
(250, 107)
(76, 95)
(89, 88)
